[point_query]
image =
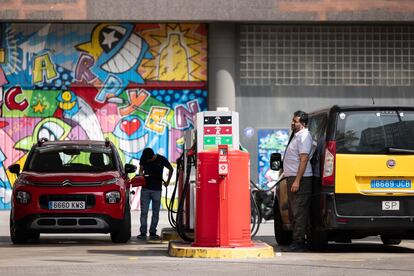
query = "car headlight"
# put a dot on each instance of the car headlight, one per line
(113, 197)
(110, 181)
(22, 197)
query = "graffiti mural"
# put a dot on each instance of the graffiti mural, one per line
(270, 141)
(138, 85)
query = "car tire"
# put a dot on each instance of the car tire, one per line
(318, 239)
(17, 235)
(283, 237)
(390, 241)
(123, 234)
(34, 236)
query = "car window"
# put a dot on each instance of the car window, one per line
(119, 161)
(77, 159)
(317, 126)
(375, 131)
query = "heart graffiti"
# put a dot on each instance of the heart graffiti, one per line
(129, 127)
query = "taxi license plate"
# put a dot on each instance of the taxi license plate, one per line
(390, 205)
(390, 184)
(66, 205)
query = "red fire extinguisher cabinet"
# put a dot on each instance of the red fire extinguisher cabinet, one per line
(223, 199)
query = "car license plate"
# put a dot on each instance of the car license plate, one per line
(390, 184)
(67, 205)
(390, 205)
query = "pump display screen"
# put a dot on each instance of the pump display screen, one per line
(217, 128)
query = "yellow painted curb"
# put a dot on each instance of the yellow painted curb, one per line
(169, 234)
(185, 250)
(157, 242)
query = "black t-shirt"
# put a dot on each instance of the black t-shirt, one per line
(153, 172)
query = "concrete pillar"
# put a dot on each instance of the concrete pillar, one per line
(221, 65)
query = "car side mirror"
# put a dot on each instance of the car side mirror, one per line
(129, 168)
(15, 168)
(276, 162)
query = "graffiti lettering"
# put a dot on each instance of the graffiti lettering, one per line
(136, 99)
(112, 87)
(83, 66)
(155, 118)
(43, 67)
(3, 79)
(138, 85)
(2, 55)
(185, 117)
(11, 101)
(1, 101)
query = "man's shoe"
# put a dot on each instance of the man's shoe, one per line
(142, 236)
(297, 247)
(154, 237)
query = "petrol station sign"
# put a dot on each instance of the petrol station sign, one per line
(222, 188)
(217, 128)
(217, 120)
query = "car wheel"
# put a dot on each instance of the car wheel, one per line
(17, 235)
(34, 236)
(390, 241)
(318, 239)
(123, 234)
(282, 236)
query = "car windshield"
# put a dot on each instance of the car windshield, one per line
(71, 159)
(381, 132)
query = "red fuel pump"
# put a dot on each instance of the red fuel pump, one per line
(223, 198)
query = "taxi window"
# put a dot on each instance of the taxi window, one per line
(317, 126)
(375, 132)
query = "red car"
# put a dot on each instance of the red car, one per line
(71, 187)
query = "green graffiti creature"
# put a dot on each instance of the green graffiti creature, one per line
(50, 128)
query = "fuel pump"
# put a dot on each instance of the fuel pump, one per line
(183, 226)
(214, 192)
(182, 220)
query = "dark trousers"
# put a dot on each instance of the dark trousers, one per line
(299, 207)
(146, 197)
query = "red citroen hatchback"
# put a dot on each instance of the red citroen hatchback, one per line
(71, 187)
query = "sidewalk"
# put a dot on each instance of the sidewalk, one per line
(163, 221)
(265, 232)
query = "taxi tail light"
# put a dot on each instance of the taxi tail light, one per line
(342, 220)
(328, 176)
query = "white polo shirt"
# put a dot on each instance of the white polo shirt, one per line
(301, 143)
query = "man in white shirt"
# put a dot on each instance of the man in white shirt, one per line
(297, 168)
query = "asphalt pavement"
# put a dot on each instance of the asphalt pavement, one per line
(95, 254)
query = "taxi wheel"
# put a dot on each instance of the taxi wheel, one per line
(282, 236)
(390, 241)
(318, 239)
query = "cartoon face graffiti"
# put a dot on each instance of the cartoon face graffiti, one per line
(79, 111)
(117, 50)
(121, 51)
(51, 128)
(68, 102)
(132, 136)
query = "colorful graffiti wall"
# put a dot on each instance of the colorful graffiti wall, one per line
(137, 84)
(270, 141)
